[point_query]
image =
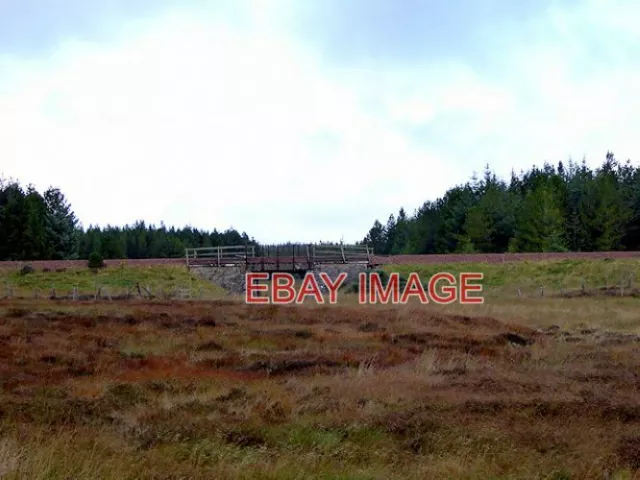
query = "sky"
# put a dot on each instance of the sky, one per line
(305, 120)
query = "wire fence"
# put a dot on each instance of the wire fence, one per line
(105, 292)
(622, 285)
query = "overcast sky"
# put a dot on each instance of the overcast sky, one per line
(305, 120)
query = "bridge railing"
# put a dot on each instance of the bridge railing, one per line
(282, 254)
(219, 256)
(340, 253)
(286, 250)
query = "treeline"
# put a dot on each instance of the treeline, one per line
(554, 208)
(35, 226)
(149, 241)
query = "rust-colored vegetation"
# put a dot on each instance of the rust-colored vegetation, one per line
(228, 390)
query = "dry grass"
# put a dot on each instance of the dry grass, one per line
(226, 390)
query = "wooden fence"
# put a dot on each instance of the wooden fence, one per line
(294, 255)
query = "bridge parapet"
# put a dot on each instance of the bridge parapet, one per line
(219, 256)
(286, 257)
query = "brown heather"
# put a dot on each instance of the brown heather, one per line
(517, 388)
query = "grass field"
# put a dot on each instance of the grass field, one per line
(519, 387)
(504, 279)
(160, 280)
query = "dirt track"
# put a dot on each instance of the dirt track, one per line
(377, 260)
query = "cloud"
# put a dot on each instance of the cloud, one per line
(193, 116)
(34, 28)
(186, 123)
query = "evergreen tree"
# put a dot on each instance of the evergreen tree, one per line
(423, 229)
(540, 226)
(390, 235)
(453, 211)
(401, 233)
(611, 211)
(61, 225)
(376, 237)
(35, 244)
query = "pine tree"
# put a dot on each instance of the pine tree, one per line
(34, 217)
(390, 235)
(540, 226)
(401, 233)
(376, 237)
(611, 212)
(477, 232)
(61, 225)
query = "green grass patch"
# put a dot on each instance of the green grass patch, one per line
(160, 279)
(301, 437)
(528, 276)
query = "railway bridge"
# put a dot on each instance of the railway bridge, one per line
(227, 265)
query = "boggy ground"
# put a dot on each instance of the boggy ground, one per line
(227, 390)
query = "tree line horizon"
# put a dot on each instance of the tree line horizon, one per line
(555, 208)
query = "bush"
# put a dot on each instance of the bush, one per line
(354, 286)
(26, 270)
(96, 261)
